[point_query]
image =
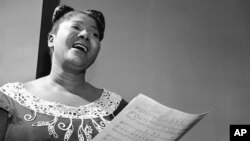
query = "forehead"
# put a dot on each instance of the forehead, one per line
(83, 19)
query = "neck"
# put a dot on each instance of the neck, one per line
(67, 78)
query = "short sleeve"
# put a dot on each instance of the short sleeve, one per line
(122, 105)
(5, 104)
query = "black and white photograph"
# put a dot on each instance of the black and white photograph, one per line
(124, 70)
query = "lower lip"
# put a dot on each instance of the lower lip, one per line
(80, 50)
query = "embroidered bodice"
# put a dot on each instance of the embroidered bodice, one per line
(84, 121)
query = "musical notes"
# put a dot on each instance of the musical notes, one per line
(147, 120)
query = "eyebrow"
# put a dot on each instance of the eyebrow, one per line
(92, 26)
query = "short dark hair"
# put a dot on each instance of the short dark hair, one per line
(63, 12)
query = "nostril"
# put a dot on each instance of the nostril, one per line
(83, 35)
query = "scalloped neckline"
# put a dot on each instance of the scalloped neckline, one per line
(26, 92)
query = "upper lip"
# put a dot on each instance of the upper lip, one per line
(80, 46)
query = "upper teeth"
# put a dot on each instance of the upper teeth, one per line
(81, 46)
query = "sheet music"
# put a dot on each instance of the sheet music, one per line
(144, 119)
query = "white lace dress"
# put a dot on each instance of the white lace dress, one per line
(34, 119)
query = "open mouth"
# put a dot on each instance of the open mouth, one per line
(80, 47)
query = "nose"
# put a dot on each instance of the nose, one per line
(84, 35)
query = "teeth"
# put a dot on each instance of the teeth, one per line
(81, 47)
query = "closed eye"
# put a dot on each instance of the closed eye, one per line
(95, 35)
(76, 27)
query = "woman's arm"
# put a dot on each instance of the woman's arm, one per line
(3, 123)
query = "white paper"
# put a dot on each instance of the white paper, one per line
(144, 119)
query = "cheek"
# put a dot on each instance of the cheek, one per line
(70, 37)
(96, 45)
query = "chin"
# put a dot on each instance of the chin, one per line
(82, 64)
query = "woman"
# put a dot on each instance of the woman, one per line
(62, 105)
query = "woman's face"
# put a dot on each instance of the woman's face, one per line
(76, 42)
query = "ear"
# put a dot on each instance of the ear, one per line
(51, 40)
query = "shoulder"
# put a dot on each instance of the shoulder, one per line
(8, 92)
(117, 100)
(5, 110)
(34, 84)
(11, 89)
(114, 97)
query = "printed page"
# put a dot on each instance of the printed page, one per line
(144, 119)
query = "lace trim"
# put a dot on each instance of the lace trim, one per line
(104, 106)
